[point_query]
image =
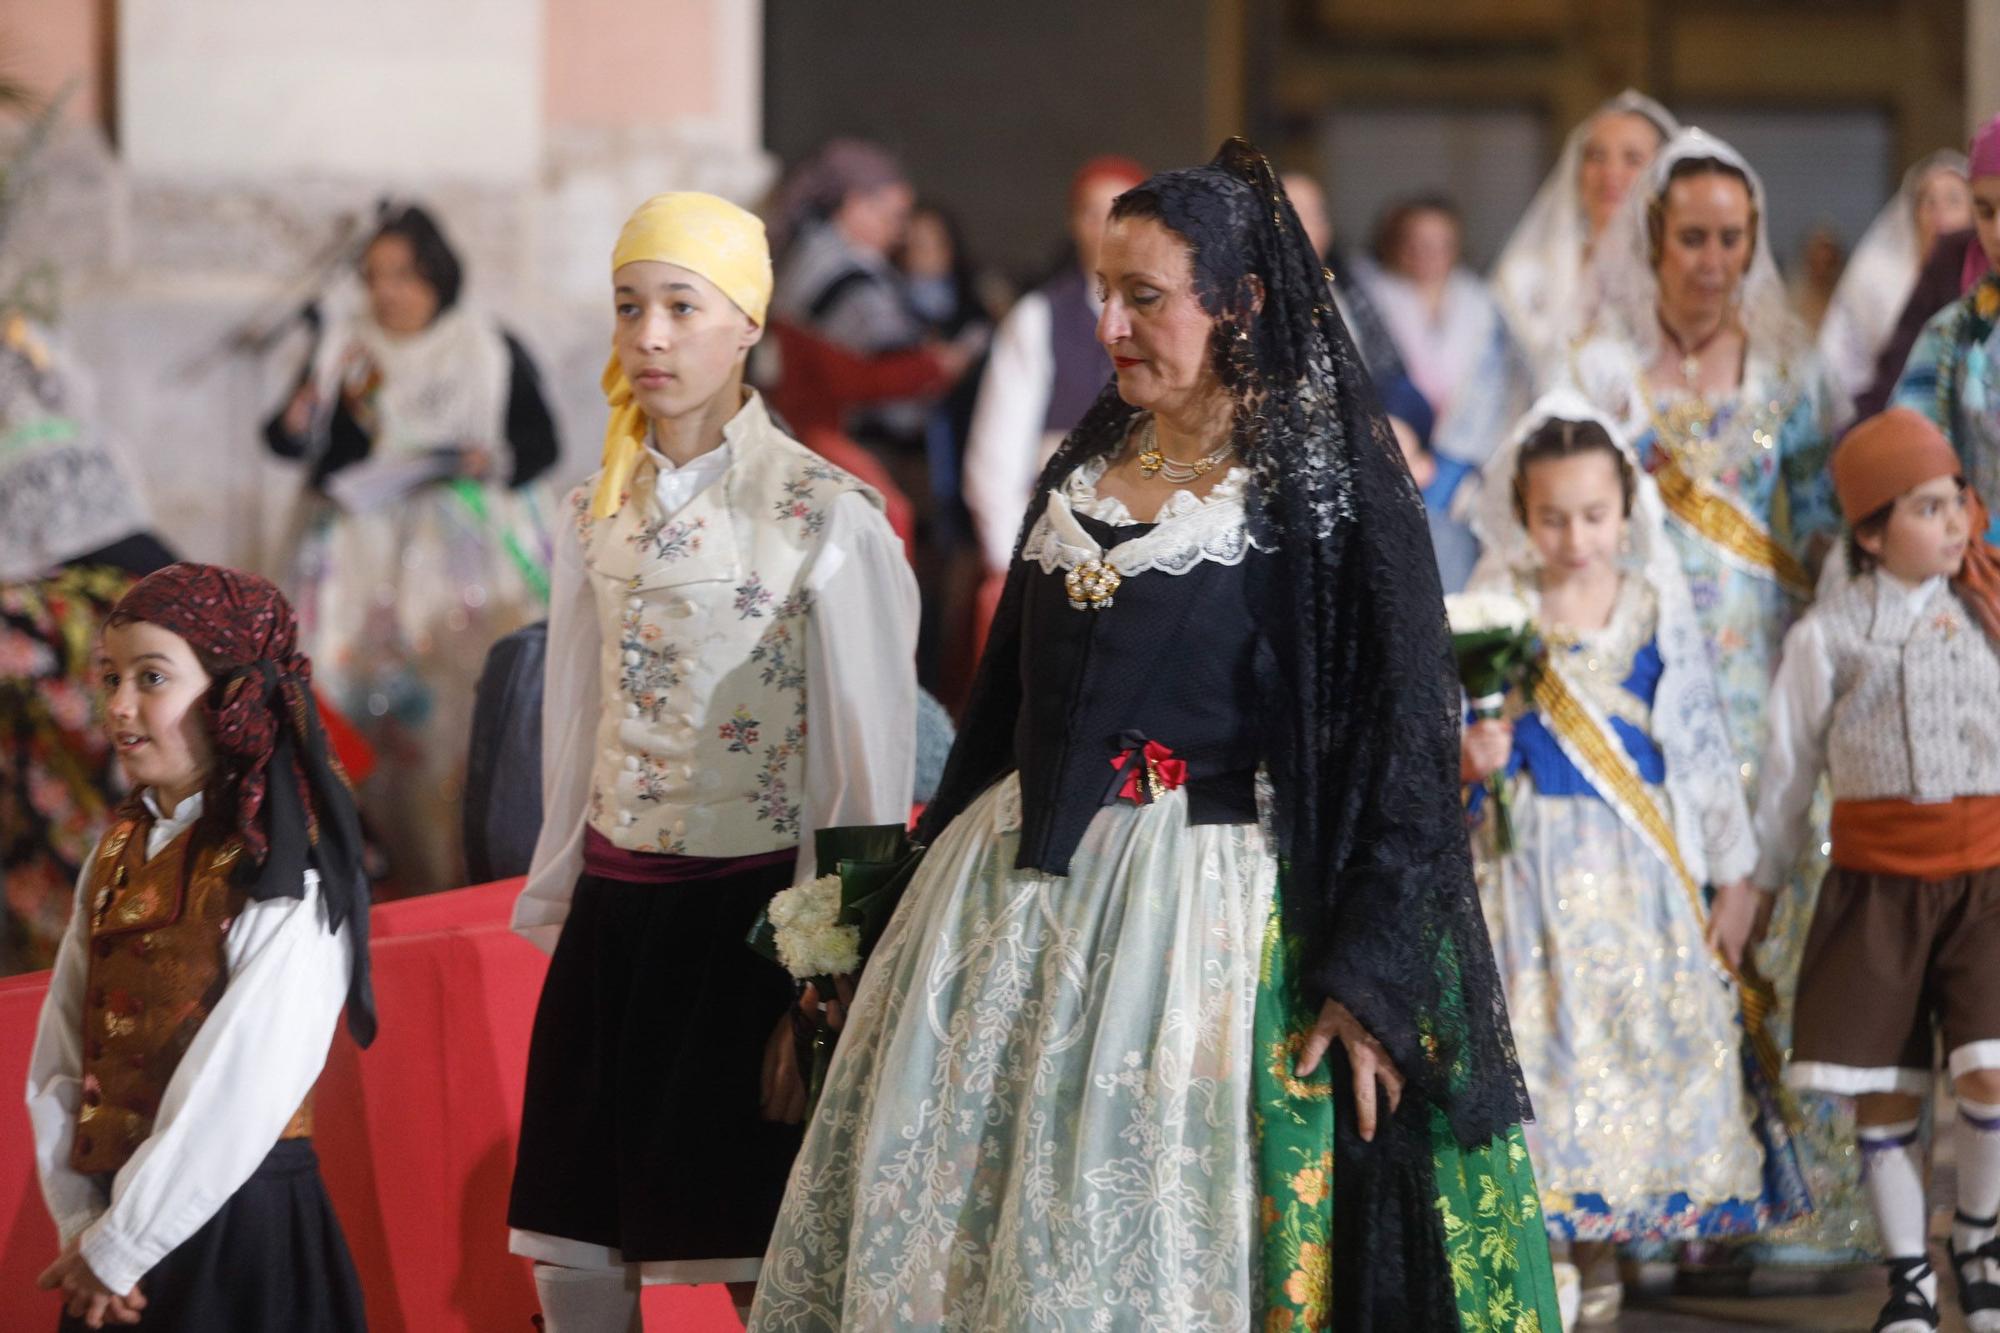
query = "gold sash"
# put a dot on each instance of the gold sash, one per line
(1594, 748)
(1724, 525)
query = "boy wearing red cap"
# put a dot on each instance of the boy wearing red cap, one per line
(1891, 686)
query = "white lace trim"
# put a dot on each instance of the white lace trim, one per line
(1190, 528)
(1081, 491)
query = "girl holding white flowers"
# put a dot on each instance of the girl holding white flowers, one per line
(1654, 1120)
(730, 668)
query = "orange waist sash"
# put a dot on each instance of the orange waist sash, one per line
(1920, 840)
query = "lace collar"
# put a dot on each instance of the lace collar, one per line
(1189, 529)
(1621, 637)
(1080, 491)
(1598, 662)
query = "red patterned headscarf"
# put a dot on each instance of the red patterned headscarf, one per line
(281, 791)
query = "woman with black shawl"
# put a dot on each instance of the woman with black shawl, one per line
(1200, 829)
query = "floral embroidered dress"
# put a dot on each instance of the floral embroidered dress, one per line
(1749, 471)
(1657, 1117)
(57, 776)
(1953, 377)
(1749, 463)
(1063, 1098)
(1624, 1023)
(74, 534)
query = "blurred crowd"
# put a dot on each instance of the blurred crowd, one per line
(424, 442)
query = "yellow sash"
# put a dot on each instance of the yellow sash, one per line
(1592, 747)
(1724, 525)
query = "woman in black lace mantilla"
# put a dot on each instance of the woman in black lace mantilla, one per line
(1189, 1018)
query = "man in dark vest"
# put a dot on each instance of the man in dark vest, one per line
(1045, 369)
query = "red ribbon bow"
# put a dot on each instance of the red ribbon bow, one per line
(1162, 773)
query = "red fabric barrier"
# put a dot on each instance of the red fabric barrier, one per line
(416, 1135)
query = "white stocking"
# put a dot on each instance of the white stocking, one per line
(587, 1300)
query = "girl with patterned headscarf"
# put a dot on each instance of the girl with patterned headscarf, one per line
(730, 668)
(219, 928)
(1188, 1017)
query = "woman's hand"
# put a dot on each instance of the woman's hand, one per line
(782, 1091)
(299, 412)
(1371, 1063)
(86, 1298)
(1483, 749)
(1737, 920)
(834, 1011)
(475, 462)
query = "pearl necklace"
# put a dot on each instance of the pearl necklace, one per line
(1153, 463)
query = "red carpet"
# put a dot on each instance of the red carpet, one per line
(416, 1135)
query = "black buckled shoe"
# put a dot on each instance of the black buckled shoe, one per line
(1907, 1302)
(1979, 1298)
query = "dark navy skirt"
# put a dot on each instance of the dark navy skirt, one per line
(272, 1258)
(641, 1128)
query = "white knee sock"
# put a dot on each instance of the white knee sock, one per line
(587, 1300)
(1894, 1170)
(1978, 1143)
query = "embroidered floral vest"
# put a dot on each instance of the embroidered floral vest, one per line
(701, 745)
(1917, 698)
(156, 969)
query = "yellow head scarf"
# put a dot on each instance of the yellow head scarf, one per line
(704, 235)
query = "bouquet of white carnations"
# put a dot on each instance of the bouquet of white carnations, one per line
(1493, 639)
(824, 928)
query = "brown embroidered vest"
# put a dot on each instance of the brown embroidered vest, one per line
(156, 970)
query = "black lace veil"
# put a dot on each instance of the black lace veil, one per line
(1362, 730)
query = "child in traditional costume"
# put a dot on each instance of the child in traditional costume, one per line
(1890, 686)
(730, 667)
(1622, 982)
(219, 927)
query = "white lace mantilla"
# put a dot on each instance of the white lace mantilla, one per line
(1188, 530)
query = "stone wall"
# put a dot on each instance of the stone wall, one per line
(250, 160)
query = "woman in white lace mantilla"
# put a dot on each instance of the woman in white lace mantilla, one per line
(1699, 359)
(1934, 199)
(1540, 279)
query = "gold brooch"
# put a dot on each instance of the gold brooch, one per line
(1091, 585)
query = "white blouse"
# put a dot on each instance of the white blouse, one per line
(257, 1055)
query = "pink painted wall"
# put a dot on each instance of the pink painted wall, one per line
(45, 43)
(613, 63)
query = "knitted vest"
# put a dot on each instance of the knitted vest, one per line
(1916, 712)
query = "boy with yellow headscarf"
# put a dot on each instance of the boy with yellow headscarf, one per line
(730, 667)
